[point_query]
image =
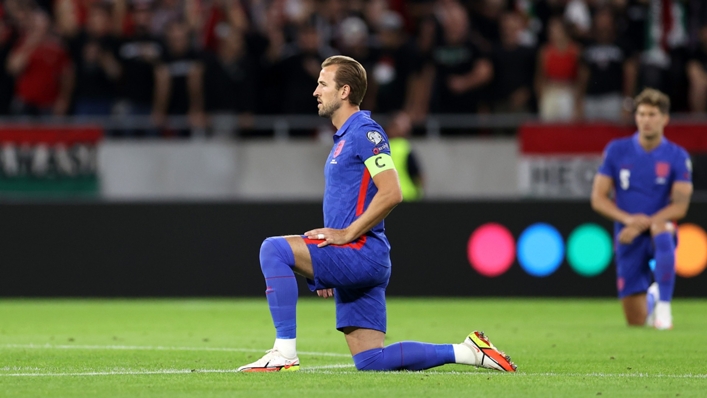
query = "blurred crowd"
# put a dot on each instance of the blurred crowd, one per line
(561, 59)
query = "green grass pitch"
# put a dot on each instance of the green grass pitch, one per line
(189, 348)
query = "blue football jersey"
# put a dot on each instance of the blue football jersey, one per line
(359, 145)
(643, 180)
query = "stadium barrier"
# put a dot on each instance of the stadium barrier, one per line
(485, 248)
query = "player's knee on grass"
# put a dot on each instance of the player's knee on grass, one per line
(275, 248)
(370, 360)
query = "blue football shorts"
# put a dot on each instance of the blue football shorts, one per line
(633, 271)
(359, 276)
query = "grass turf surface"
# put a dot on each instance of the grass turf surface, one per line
(189, 348)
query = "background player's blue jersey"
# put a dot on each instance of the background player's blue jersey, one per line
(349, 187)
(643, 180)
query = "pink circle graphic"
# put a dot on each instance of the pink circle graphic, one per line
(491, 249)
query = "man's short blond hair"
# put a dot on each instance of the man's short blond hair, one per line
(653, 97)
(351, 73)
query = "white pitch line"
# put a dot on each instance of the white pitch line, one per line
(521, 374)
(324, 370)
(153, 372)
(158, 348)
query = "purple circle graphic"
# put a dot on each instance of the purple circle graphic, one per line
(491, 249)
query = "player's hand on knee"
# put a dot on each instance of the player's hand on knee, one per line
(639, 221)
(329, 236)
(628, 234)
(325, 293)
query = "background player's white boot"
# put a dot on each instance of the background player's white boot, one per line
(663, 316)
(652, 297)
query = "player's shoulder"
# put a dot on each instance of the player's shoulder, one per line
(674, 148)
(368, 129)
(618, 145)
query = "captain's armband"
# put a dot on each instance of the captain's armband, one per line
(377, 163)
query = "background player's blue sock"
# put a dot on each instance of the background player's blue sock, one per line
(407, 355)
(276, 261)
(665, 265)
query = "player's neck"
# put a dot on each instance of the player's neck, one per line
(650, 143)
(343, 114)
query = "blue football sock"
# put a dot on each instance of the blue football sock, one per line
(276, 261)
(406, 355)
(665, 264)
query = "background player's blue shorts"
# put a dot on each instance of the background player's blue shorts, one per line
(633, 271)
(359, 275)
(633, 274)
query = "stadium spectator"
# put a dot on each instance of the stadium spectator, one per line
(444, 67)
(329, 16)
(221, 15)
(397, 68)
(607, 73)
(460, 69)
(230, 77)
(556, 74)
(298, 69)
(353, 41)
(579, 19)
(92, 49)
(485, 18)
(664, 56)
(178, 78)
(697, 73)
(138, 54)
(514, 68)
(41, 66)
(540, 13)
(412, 181)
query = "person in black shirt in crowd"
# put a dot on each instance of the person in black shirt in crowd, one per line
(299, 69)
(514, 68)
(697, 74)
(607, 74)
(354, 41)
(138, 56)
(230, 77)
(460, 68)
(395, 70)
(178, 78)
(93, 52)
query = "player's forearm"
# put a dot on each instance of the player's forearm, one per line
(671, 212)
(608, 209)
(381, 205)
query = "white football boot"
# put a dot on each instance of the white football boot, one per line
(663, 316)
(272, 361)
(486, 354)
(652, 297)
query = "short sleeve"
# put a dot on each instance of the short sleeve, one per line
(682, 167)
(607, 167)
(373, 148)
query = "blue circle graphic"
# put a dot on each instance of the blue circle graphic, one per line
(540, 249)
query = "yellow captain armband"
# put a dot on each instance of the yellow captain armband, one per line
(377, 163)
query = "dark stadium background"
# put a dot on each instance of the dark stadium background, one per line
(141, 140)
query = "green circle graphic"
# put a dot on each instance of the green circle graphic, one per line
(589, 249)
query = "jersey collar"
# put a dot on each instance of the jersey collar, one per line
(351, 120)
(637, 143)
